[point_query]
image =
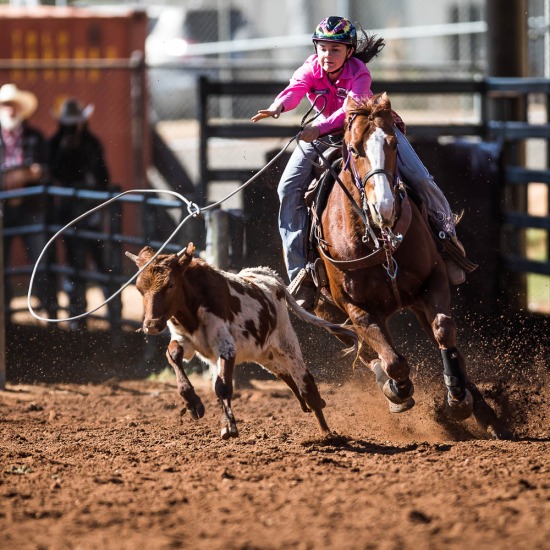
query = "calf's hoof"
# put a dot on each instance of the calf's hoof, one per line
(229, 431)
(196, 407)
(460, 409)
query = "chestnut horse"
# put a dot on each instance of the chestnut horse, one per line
(380, 257)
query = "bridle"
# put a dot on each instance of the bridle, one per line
(386, 233)
(388, 240)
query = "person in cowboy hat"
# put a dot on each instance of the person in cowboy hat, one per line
(23, 163)
(77, 160)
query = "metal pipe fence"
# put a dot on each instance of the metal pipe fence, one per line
(111, 238)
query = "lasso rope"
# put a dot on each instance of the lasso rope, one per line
(193, 209)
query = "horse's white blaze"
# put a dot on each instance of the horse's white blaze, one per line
(383, 201)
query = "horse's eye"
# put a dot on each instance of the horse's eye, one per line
(353, 151)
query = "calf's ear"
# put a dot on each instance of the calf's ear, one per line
(132, 257)
(143, 257)
(186, 255)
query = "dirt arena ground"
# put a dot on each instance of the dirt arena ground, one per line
(113, 464)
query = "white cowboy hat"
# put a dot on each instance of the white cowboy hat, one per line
(72, 112)
(27, 101)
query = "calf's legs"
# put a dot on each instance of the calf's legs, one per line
(175, 354)
(223, 386)
(303, 386)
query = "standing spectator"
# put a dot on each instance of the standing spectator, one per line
(23, 164)
(77, 161)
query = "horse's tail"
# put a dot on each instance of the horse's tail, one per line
(345, 334)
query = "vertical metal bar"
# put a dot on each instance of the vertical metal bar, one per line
(547, 97)
(2, 311)
(137, 69)
(226, 73)
(203, 90)
(114, 259)
(217, 238)
(547, 38)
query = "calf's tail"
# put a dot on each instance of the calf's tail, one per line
(345, 334)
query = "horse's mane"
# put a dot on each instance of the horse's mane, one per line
(376, 106)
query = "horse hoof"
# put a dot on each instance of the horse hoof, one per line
(389, 391)
(460, 410)
(406, 405)
(500, 432)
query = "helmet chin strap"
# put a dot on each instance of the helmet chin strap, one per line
(337, 70)
(350, 53)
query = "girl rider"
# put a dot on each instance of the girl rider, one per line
(335, 71)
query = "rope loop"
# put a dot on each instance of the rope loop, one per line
(194, 209)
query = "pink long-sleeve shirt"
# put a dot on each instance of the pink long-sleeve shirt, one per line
(311, 80)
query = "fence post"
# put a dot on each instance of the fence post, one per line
(217, 238)
(2, 310)
(507, 57)
(114, 260)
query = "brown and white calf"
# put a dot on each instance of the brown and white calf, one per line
(227, 319)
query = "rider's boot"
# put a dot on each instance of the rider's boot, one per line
(303, 289)
(455, 273)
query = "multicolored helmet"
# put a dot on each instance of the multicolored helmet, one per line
(336, 29)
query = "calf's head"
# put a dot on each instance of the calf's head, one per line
(160, 284)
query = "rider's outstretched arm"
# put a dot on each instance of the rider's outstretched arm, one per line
(274, 110)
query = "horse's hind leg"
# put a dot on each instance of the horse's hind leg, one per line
(443, 329)
(486, 417)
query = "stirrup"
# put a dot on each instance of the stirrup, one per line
(297, 281)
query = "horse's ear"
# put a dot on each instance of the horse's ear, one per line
(384, 101)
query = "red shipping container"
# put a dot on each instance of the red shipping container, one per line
(46, 34)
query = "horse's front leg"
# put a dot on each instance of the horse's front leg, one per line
(483, 413)
(391, 369)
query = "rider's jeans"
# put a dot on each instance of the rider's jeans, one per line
(414, 173)
(293, 215)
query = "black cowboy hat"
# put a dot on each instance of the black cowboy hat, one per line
(72, 112)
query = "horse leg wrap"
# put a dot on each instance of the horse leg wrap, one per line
(453, 373)
(403, 389)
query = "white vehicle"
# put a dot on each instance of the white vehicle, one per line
(173, 72)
